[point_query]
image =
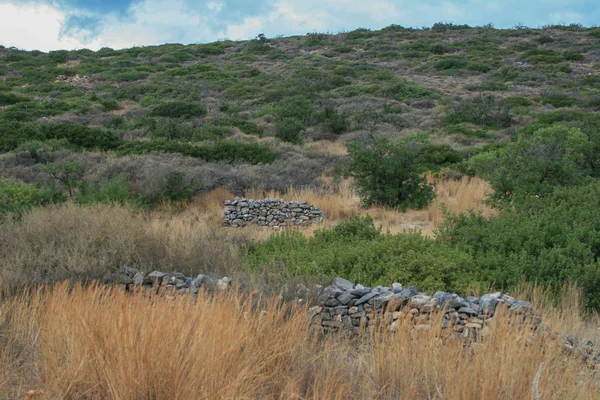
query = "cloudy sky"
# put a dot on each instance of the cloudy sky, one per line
(71, 24)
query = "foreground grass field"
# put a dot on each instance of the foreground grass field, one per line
(92, 342)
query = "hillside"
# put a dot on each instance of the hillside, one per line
(453, 85)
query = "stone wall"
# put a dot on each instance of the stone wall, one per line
(164, 282)
(346, 307)
(269, 212)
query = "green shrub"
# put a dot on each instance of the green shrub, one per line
(116, 122)
(125, 76)
(478, 67)
(488, 86)
(436, 156)
(115, 190)
(548, 240)
(387, 174)
(461, 130)
(333, 121)
(209, 49)
(289, 130)
(83, 137)
(557, 99)
(545, 59)
(481, 110)
(249, 128)
(209, 132)
(450, 62)
(14, 133)
(595, 33)
(17, 197)
(357, 250)
(573, 56)
(536, 163)
(298, 107)
(518, 101)
(7, 99)
(315, 39)
(253, 153)
(177, 190)
(178, 109)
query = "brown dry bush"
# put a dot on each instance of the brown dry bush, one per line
(70, 241)
(96, 343)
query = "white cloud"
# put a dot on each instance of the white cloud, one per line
(41, 26)
(34, 26)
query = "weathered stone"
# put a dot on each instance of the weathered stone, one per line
(467, 310)
(365, 298)
(409, 291)
(342, 283)
(331, 303)
(345, 298)
(488, 303)
(520, 306)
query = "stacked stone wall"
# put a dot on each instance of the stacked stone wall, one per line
(272, 213)
(346, 307)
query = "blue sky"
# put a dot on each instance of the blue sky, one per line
(71, 24)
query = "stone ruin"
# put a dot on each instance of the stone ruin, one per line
(349, 308)
(72, 79)
(277, 214)
(163, 282)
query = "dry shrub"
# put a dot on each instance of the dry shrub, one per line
(96, 343)
(70, 241)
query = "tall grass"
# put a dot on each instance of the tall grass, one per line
(96, 343)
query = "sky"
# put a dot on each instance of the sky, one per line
(75, 24)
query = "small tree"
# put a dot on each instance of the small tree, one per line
(68, 173)
(386, 174)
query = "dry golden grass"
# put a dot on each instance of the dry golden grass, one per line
(339, 201)
(95, 343)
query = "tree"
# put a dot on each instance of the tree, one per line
(535, 163)
(68, 173)
(386, 174)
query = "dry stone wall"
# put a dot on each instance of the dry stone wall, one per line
(276, 214)
(346, 307)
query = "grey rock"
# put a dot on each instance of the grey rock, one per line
(520, 306)
(409, 291)
(488, 303)
(396, 287)
(345, 297)
(359, 292)
(139, 278)
(365, 298)
(467, 310)
(342, 283)
(156, 276)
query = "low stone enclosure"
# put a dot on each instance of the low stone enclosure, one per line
(343, 306)
(348, 310)
(276, 214)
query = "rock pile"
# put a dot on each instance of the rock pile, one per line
(587, 350)
(344, 306)
(174, 283)
(72, 79)
(276, 214)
